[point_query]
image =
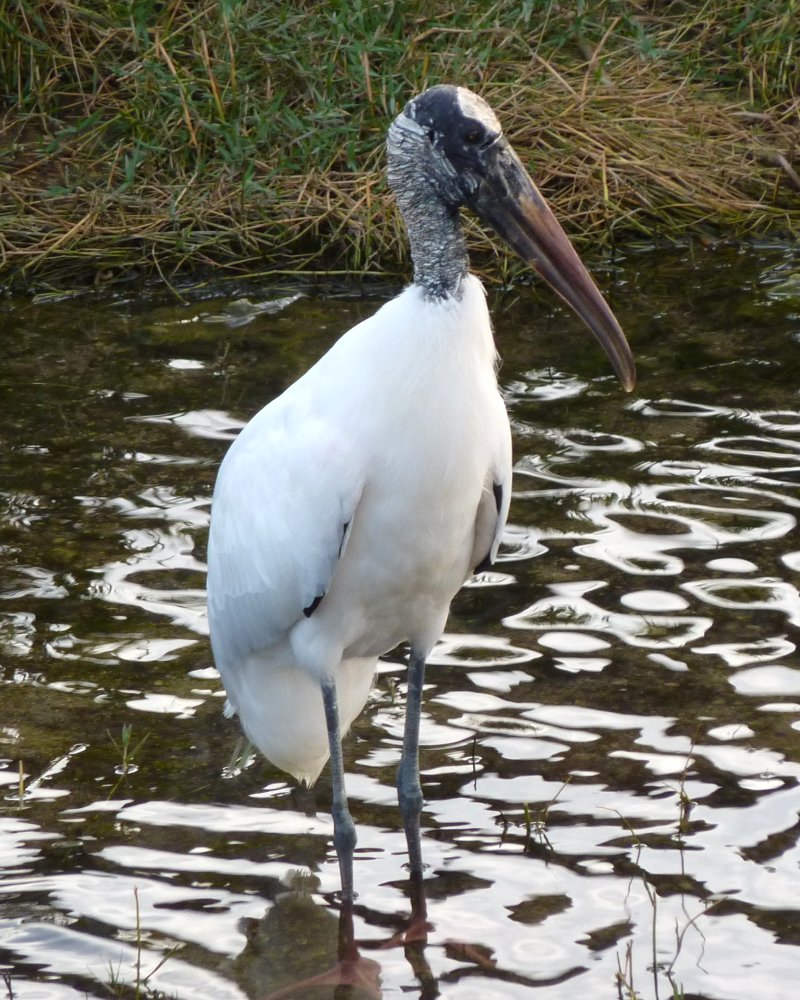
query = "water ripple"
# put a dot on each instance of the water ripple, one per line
(609, 743)
(569, 608)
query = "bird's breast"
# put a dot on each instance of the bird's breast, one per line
(424, 418)
(412, 536)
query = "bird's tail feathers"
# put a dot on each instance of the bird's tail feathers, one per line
(282, 714)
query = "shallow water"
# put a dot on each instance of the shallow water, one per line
(611, 738)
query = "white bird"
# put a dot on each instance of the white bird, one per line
(349, 511)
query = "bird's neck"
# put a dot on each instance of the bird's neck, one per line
(438, 248)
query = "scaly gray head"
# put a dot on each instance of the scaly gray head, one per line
(447, 150)
(446, 131)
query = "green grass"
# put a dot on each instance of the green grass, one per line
(145, 136)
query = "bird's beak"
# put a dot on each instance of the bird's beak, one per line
(509, 201)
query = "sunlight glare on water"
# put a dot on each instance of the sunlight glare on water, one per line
(611, 734)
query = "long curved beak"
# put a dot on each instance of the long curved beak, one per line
(509, 201)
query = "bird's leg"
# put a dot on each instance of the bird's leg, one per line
(409, 790)
(344, 830)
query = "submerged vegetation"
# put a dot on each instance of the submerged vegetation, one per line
(143, 136)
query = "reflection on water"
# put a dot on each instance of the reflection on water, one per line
(611, 736)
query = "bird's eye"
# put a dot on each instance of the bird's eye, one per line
(473, 136)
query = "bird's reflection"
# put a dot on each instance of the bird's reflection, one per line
(299, 950)
(414, 937)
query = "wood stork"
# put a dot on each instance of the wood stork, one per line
(352, 508)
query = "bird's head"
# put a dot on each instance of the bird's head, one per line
(448, 131)
(450, 139)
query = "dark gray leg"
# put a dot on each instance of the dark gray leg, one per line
(344, 830)
(409, 790)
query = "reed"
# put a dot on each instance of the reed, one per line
(161, 138)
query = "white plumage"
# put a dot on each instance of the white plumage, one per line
(350, 510)
(399, 431)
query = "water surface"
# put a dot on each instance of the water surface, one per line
(611, 737)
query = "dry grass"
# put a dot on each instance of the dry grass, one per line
(145, 137)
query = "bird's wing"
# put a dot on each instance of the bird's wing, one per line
(285, 496)
(495, 499)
